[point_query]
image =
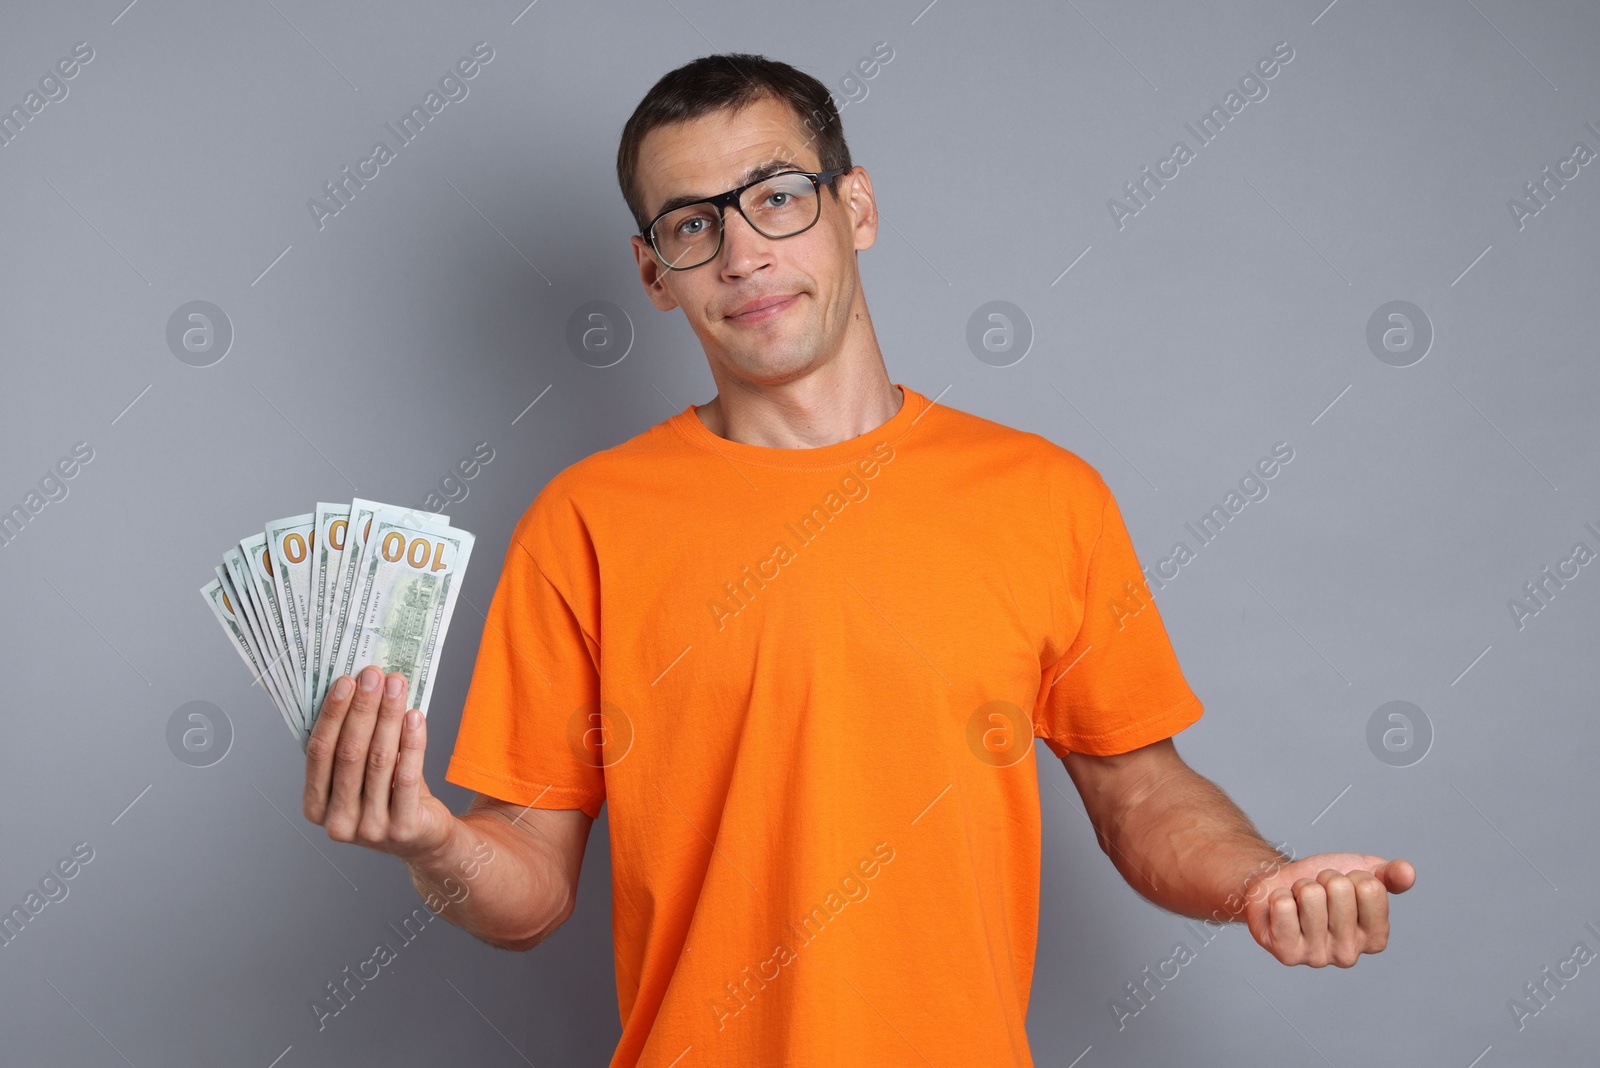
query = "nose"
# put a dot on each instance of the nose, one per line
(732, 218)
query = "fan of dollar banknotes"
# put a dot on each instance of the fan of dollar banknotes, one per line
(324, 594)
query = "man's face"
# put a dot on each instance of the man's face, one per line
(815, 271)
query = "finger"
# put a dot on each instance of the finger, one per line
(1397, 875)
(1287, 941)
(319, 749)
(405, 803)
(382, 752)
(1313, 901)
(1345, 938)
(1372, 909)
(350, 756)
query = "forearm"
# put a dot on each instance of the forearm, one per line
(494, 882)
(1184, 845)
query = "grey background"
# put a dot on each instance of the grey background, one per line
(1228, 315)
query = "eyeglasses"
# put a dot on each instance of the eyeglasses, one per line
(781, 205)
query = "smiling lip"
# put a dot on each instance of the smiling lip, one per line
(764, 308)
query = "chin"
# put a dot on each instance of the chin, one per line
(771, 365)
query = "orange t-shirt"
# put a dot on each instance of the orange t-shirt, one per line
(807, 682)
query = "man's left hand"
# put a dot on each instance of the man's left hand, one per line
(1328, 908)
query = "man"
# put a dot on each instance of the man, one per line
(801, 639)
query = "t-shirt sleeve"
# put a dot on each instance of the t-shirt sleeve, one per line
(536, 683)
(1118, 685)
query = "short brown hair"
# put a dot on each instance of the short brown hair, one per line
(731, 80)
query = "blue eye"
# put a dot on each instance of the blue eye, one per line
(683, 229)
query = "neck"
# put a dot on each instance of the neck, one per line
(823, 407)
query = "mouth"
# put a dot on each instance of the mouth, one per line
(765, 308)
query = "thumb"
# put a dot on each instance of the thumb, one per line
(1398, 875)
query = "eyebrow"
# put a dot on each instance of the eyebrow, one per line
(756, 173)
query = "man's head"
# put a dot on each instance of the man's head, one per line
(716, 124)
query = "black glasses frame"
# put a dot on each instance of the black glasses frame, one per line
(720, 204)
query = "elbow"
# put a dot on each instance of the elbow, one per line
(540, 932)
(1102, 838)
(512, 947)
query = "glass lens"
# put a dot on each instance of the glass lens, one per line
(778, 207)
(782, 205)
(688, 236)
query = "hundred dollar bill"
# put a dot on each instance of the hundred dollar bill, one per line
(244, 612)
(256, 596)
(222, 607)
(290, 544)
(358, 529)
(273, 611)
(409, 577)
(332, 521)
(214, 598)
(239, 592)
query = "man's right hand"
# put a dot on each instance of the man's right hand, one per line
(364, 769)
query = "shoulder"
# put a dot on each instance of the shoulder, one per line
(596, 485)
(1067, 476)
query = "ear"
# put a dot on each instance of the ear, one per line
(855, 194)
(653, 275)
